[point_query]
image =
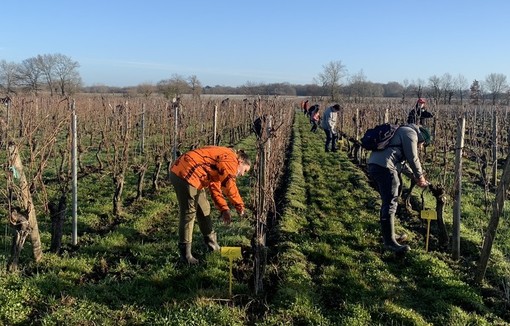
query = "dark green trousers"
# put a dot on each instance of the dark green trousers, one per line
(193, 204)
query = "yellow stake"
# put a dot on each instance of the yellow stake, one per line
(231, 253)
(428, 215)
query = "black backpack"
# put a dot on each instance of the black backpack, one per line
(377, 138)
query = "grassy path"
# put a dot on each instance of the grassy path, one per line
(332, 267)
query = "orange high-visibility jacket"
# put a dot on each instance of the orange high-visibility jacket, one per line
(212, 167)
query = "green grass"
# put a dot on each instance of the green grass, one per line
(326, 266)
(339, 263)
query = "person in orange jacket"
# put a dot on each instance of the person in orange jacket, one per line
(212, 167)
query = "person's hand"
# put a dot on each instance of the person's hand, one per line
(422, 182)
(227, 217)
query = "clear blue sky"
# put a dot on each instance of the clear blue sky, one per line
(231, 42)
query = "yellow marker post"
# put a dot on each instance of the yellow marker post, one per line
(428, 215)
(231, 253)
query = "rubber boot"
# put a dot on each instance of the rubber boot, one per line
(388, 233)
(186, 256)
(211, 242)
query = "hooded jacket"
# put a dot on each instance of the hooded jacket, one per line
(402, 148)
(212, 167)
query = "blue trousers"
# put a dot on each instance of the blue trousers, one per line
(331, 137)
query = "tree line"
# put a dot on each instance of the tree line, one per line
(55, 73)
(58, 74)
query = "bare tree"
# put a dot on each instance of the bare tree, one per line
(436, 89)
(195, 85)
(8, 75)
(146, 89)
(66, 73)
(461, 85)
(417, 87)
(448, 88)
(405, 89)
(496, 84)
(331, 77)
(29, 74)
(358, 86)
(46, 64)
(173, 87)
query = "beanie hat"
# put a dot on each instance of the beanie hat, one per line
(425, 134)
(421, 101)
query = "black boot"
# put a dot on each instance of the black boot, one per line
(211, 242)
(387, 228)
(186, 256)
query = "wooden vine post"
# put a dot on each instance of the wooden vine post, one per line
(74, 175)
(458, 188)
(142, 131)
(24, 221)
(215, 125)
(176, 129)
(5, 124)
